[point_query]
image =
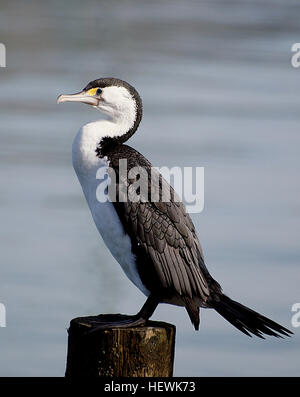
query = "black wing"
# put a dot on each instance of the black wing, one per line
(170, 259)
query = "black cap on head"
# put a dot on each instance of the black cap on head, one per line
(111, 81)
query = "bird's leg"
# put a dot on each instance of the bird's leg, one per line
(124, 321)
(148, 308)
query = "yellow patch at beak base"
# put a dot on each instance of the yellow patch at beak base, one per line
(92, 91)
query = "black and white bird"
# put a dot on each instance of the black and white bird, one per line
(155, 243)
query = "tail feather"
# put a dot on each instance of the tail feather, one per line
(193, 312)
(247, 320)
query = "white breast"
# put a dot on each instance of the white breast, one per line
(86, 165)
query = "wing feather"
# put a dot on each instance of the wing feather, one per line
(163, 233)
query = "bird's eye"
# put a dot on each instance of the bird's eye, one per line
(99, 91)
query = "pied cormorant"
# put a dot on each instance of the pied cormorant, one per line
(155, 242)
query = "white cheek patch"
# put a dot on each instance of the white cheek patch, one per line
(118, 102)
(115, 95)
(121, 108)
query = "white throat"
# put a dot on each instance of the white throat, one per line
(89, 137)
(112, 128)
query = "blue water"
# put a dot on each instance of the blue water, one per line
(219, 91)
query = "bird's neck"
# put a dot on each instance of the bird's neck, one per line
(94, 138)
(111, 129)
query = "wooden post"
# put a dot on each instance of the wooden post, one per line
(146, 351)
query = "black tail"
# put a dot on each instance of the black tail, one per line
(246, 320)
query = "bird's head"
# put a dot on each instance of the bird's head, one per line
(114, 97)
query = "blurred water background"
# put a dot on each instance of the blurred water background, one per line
(219, 91)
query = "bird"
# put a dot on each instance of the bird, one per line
(155, 242)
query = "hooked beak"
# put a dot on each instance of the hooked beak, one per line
(79, 97)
